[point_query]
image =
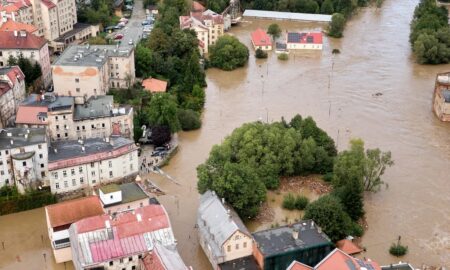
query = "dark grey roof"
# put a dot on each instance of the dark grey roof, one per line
(279, 240)
(73, 149)
(91, 55)
(399, 266)
(97, 107)
(52, 102)
(245, 263)
(280, 46)
(78, 27)
(446, 95)
(214, 222)
(132, 192)
(293, 37)
(19, 137)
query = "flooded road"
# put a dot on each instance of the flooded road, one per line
(339, 93)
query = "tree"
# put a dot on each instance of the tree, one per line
(189, 119)
(274, 30)
(260, 54)
(217, 5)
(429, 50)
(327, 7)
(237, 183)
(160, 135)
(143, 60)
(329, 214)
(228, 53)
(336, 26)
(163, 111)
(375, 166)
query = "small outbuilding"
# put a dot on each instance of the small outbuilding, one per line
(261, 40)
(154, 85)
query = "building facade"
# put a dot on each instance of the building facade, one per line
(12, 92)
(441, 98)
(16, 10)
(23, 157)
(76, 165)
(16, 43)
(92, 70)
(74, 118)
(304, 41)
(222, 234)
(59, 218)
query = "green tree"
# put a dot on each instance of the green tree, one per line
(375, 166)
(337, 25)
(329, 214)
(143, 59)
(274, 30)
(189, 119)
(228, 53)
(217, 5)
(260, 54)
(163, 111)
(429, 50)
(238, 184)
(327, 7)
(98, 40)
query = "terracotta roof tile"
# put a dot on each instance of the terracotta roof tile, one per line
(348, 247)
(49, 4)
(196, 6)
(338, 259)
(154, 85)
(11, 25)
(69, 212)
(29, 114)
(9, 8)
(29, 41)
(298, 266)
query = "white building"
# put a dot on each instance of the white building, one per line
(12, 92)
(23, 157)
(118, 198)
(75, 165)
(92, 70)
(304, 41)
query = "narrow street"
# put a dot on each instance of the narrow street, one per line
(133, 29)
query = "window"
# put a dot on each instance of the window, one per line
(121, 260)
(141, 204)
(92, 126)
(111, 263)
(1, 163)
(78, 128)
(245, 244)
(64, 117)
(130, 259)
(93, 181)
(41, 156)
(72, 171)
(93, 173)
(66, 134)
(6, 152)
(55, 175)
(74, 182)
(57, 185)
(103, 125)
(42, 165)
(228, 248)
(66, 184)
(81, 180)
(77, 80)
(24, 163)
(58, 136)
(110, 174)
(110, 163)
(2, 173)
(237, 246)
(80, 169)
(39, 146)
(83, 127)
(92, 164)
(133, 267)
(64, 173)
(56, 118)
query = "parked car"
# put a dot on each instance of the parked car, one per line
(129, 7)
(160, 148)
(118, 36)
(130, 42)
(155, 153)
(145, 22)
(124, 20)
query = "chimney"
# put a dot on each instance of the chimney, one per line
(12, 142)
(139, 217)
(55, 150)
(312, 224)
(229, 214)
(107, 139)
(83, 149)
(23, 33)
(15, 33)
(26, 136)
(295, 234)
(223, 201)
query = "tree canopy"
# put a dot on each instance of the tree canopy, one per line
(337, 24)
(163, 111)
(274, 30)
(228, 53)
(31, 70)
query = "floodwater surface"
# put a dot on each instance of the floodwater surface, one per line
(339, 92)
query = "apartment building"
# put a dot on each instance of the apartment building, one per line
(84, 70)
(12, 92)
(16, 43)
(122, 240)
(59, 218)
(208, 25)
(16, 10)
(73, 118)
(23, 157)
(82, 164)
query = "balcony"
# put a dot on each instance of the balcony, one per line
(62, 243)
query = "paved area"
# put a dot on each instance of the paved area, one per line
(133, 29)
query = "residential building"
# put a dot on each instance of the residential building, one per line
(122, 240)
(162, 258)
(72, 118)
(80, 33)
(16, 43)
(12, 92)
(154, 85)
(75, 165)
(59, 218)
(222, 234)
(84, 70)
(441, 103)
(261, 40)
(303, 241)
(16, 10)
(208, 25)
(10, 25)
(299, 266)
(23, 157)
(304, 41)
(125, 197)
(338, 259)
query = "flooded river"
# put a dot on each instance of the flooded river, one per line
(339, 92)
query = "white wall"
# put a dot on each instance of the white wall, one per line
(110, 198)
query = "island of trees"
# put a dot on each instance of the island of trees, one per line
(252, 159)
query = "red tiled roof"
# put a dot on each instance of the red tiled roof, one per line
(338, 259)
(29, 115)
(261, 38)
(298, 266)
(348, 247)
(196, 6)
(154, 85)
(14, 73)
(29, 41)
(11, 25)
(161, 258)
(9, 8)
(72, 211)
(4, 87)
(49, 4)
(317, 38)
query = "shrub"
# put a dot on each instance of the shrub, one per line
(228, 53)
(301, 202)
(398, 250)
(337, 25)
(336, 51)
(289, 202)
(189, 119)
(283, 56)
(356, 230)
(328, 177)
(260, 54)
(160, 135)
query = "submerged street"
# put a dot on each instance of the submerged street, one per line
(372, 90)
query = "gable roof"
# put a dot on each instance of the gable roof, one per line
(338, 259)
(68, 212)
(261, 38)
(27, 42)
(348, 247)
(163, 258)
(305, 38)
(216, 222)
(295, 265)
(11, 25)
(154, 85)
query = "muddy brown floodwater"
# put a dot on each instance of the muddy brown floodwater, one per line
(375, 58)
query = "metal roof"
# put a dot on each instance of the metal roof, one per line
(52, 102)
(287, 15)
(217, 223)
(98, 107)
(91, 55)
(21, 137)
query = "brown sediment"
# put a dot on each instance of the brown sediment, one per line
(299, 183)
(266, 214)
